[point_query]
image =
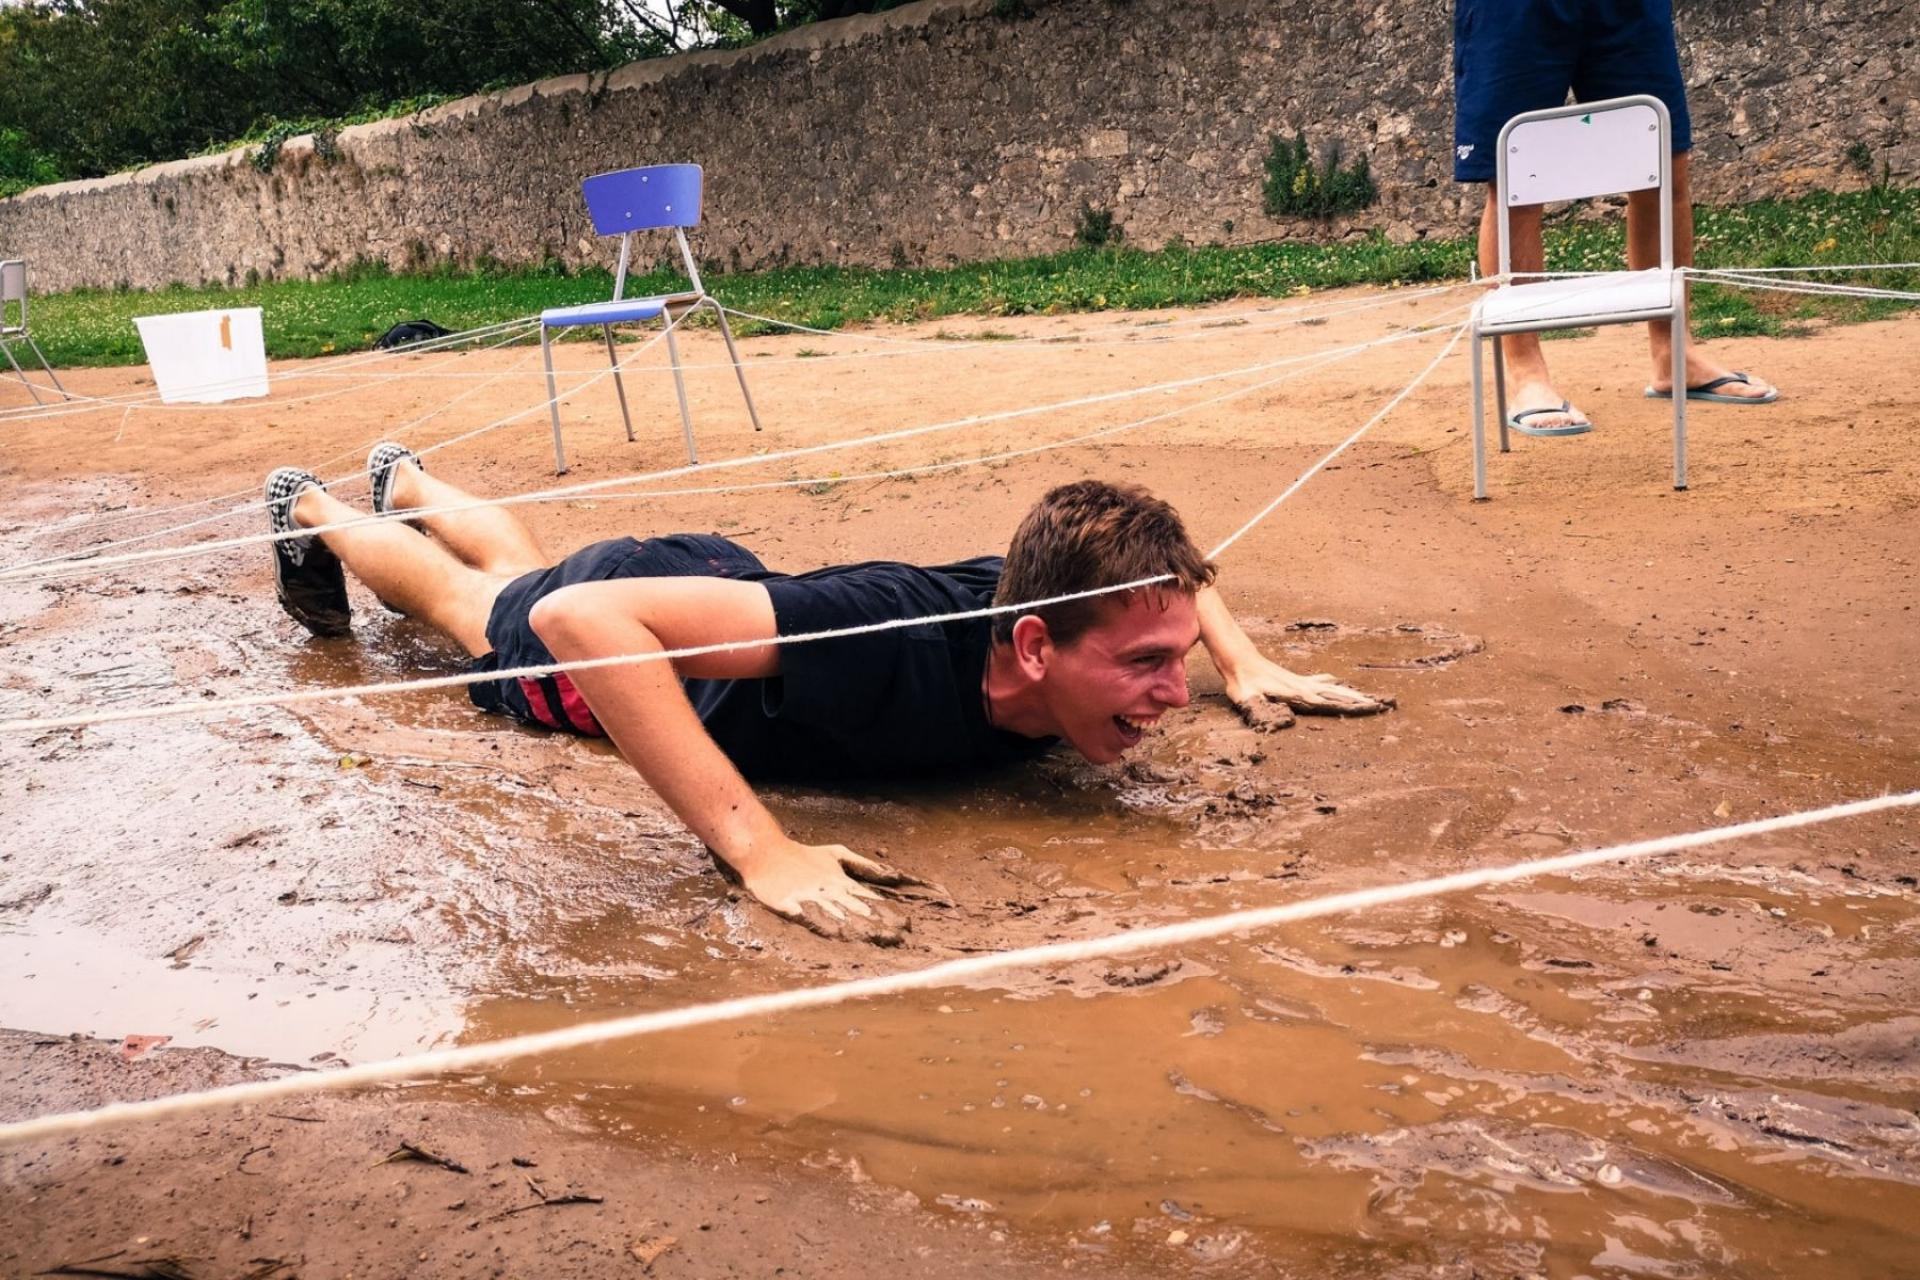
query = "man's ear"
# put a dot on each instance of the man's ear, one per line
(1032, 645)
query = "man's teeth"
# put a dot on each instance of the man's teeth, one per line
(1141, 723)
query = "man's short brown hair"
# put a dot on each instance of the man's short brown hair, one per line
(1092, 534)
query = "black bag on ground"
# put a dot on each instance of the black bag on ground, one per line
(409, 332)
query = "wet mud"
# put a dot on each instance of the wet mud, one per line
(1704, 1065)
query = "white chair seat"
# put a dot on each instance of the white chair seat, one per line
(1557, 304)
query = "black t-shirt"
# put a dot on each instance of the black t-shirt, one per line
(894, 703)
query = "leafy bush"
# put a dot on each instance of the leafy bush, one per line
(1095, 228)
(21, 166)
(1297, 187)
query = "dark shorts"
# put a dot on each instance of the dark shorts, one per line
(1511, 56)
(552, 701)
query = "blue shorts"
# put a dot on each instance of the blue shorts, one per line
(1511, 56)
(552, 701)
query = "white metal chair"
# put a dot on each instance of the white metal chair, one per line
(621, 203)
(1573, 153)
(13, 292)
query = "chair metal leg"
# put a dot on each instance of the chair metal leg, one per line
(680, 388)
(1500, 390)
(553, 403)
(1680, 392)
(739, 370)
(44, 364)
(1479, 423)
(619, 388)
(35, 391)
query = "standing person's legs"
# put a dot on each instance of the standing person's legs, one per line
(1531, 396)
(1512, 56)
(407, 569)
(1631, 49)
(1643, 251)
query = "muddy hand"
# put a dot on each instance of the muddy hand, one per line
(1322, 695)
(1267, 694)
(810, 884)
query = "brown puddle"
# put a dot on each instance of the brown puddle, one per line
(1699, 1067)
(1276, 1097)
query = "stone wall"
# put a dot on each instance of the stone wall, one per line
(942, 132)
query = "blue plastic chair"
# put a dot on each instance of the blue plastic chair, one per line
(621, 203)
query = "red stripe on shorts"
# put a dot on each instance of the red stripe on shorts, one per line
(576, 707)
(537, 703)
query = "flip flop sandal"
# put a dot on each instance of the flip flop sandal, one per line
(1710, 392)
(1518, 422)
(308, 579)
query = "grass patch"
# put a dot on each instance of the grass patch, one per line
(346, 313)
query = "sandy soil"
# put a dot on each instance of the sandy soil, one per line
(1704, 1066)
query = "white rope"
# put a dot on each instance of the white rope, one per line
(909, 348)
(1297, 314)
(92, 564)
(396, 433)
(1339, 449)
(129, 401)
(298, 697)
(170, 710)
(87, 559)
(95, 549)
(929, 468)
(1738, 280)
(1824, 267)
(944, 974)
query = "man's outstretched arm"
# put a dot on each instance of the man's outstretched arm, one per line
(1265, 693)
(646, 713)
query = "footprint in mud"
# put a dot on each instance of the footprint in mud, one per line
(1405, 646)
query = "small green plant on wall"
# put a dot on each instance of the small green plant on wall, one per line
(1095, 228)
(1299, 187)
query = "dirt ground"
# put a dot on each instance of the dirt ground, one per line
(1706, 1065)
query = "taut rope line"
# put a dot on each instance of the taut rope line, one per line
(943, 974)
(92, 563)
(298, 696)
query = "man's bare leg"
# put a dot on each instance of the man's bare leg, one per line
(491, 539)
(407, 569)
(1643, 252)
(1529, 384)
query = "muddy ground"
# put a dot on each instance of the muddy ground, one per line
(1706, 1065)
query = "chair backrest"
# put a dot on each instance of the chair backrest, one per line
(13, 288)
(661, 195)
(629, 200)
(1584, 150)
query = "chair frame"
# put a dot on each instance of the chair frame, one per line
(13, 288)
(1676, 314)
(686, 302)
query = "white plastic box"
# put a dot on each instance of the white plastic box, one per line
(204, 357)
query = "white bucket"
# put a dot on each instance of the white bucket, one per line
(204, 357)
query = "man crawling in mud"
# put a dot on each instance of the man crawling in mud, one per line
(924, 699)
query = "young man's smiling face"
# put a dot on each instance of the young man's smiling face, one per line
(1113, 681)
